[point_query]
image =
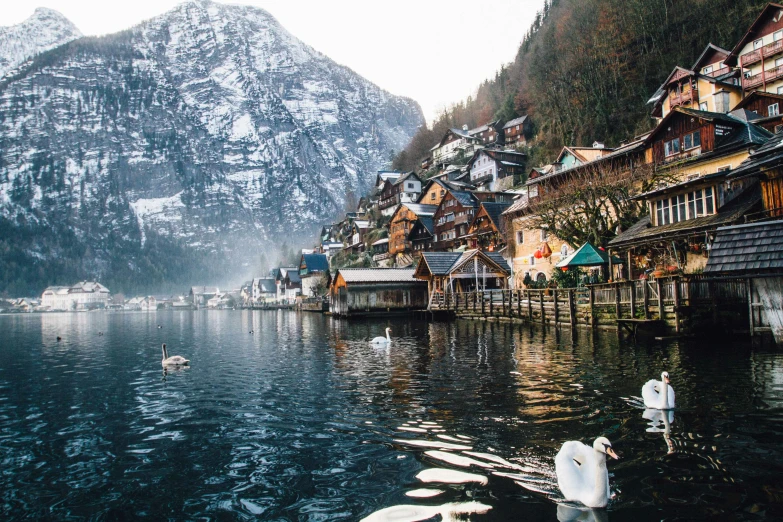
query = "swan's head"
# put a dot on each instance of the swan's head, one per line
(665, 377)
(388, 330)
(603, 445)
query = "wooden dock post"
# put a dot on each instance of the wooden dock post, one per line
(541, 304)
(646, 299)
(661, 311)
(491, 304)
(592, 307)
(633, 299)
(556, 307)
(676, 295)
(483, 312)
(617, 309)
(529, 307)
(503, 301)
(519, 303)
(749, 291)
(571, 310)
(714, 301)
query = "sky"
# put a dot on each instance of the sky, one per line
(434, 51)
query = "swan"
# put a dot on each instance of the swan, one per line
(174, 360)
(382, 340)
(658, 394)
(581, 471)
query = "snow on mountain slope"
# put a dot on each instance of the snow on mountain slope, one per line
(209, 130)
(44, 30)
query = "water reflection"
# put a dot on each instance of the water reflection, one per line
(303, 420)
(566, 513)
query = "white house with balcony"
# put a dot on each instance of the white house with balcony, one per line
(86, 295)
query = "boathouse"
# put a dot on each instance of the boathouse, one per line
(462, 271)
(371, 291)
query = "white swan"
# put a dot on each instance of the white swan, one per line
(658, 394)
(174, 360)
(382, 340)
(581, 471)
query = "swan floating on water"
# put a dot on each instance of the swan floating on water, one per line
(382, 340)
(174, 360)
(658, 394)
(581, 471)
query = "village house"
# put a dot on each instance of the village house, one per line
(405, 189)
(496, 170)
(452, 218)
(763, 109)
(697, 151)
(86, 295)
(287, 288)
(264, 290)
(759, 53)
(380, 253)
(533, 250)
(489, 134)
(355, 238)
(199, 295)
(487, 230)
(709, 85)
(765, 165)
(314, 273)
(376, 291)
(467, 271)
(422, 235)
(455, 144)
(400, 227)
(516, 131)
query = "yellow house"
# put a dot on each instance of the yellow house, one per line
(524, 240)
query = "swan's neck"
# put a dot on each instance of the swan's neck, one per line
(388, 340)
(601, 477)
(165, 354)
(664, 395)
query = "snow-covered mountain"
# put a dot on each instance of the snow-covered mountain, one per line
(44, 30)
(182, 147)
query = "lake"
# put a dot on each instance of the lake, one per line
(304, 420)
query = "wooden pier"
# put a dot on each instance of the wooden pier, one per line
(678, 304)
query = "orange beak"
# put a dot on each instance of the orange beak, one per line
(611, 453)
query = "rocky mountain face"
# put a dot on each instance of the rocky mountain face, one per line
(44, 30)
(180, 150)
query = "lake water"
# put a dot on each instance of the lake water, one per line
(304, 420)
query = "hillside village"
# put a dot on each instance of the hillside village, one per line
(655, 201)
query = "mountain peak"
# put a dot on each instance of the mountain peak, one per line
(45, 29)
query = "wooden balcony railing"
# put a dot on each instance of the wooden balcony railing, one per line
(750, 58)
(681, 99)
(766, 76)
(719, 72)
(766, 51)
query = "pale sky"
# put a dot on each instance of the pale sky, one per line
(434, 51)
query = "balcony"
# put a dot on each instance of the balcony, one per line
(763, 77)
(460, 220)
(680, 99)
(482, 178)
(765, 52)
(719, 72)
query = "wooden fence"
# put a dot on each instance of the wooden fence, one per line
(674, 300)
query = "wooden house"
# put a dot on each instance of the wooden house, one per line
(454, 144)
(496, 170)
(404, 189)
(766, 165)
(376, 291)
(263, 290)
(452, 218)
(313, 272)
(380, 252)
(699, 150)
(435, 190)
(516, 132)
(402, 223)
(462, 271)
(487, 230)
(422, 235)
(709, 85)
(759, 53)
(766, 107)
(355, 238)
(489, 134)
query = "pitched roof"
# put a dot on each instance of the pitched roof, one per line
(769, 154)
(442, 263)
(519, 204)
(427, 222)
(587, 255)
(377, 275)
(315, 262)
(293, 276)
(515, 121)
(420, 209)
(267, 285)
(697, 65)
(466, 199)
(756, 247)
(494, 211)
(404, 177)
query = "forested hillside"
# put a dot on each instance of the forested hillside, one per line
(586, 68)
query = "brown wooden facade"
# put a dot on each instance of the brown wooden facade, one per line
(452, 219)
(402, 223)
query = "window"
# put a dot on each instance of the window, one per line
(757, 44)
(777, 35)
(544, 234)
(520, 237)
(410, 186)
(533, 191)
(724, 168)
(692, 140)
(703, 106)
(780, 90)
(698, 203)
(773, 110)
(707, 70)
(672, 147)
(432, 196)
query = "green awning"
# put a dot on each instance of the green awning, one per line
(587, 255)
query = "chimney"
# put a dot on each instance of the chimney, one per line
(598, 145)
